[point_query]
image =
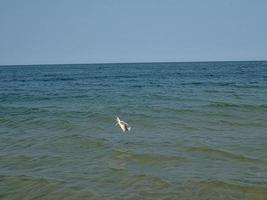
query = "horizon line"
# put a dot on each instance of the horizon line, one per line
(145, 62)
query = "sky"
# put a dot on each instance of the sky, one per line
(104, 31)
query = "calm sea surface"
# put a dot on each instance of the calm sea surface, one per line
(199, 131)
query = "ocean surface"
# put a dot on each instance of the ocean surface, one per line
(199, 131)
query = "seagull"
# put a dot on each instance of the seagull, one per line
(124, 126)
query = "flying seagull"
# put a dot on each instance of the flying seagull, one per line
(124, 126)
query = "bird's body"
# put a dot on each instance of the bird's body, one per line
(124, 126)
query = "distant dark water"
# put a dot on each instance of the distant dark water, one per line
(199, 131)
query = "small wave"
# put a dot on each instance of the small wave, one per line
(222, 154)
(52, 79)
(240, 106)
(77, 142)
(30, 187)
(154, 182)
(221, 190)
(232, 123)
(205, 83)
(146, 158)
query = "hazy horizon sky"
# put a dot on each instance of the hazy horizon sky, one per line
(95, 31)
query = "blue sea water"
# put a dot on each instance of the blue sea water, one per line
(199, 131)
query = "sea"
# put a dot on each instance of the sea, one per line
(199, 131)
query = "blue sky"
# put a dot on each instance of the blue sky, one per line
(95, 31)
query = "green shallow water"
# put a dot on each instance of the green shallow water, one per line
(199, 131)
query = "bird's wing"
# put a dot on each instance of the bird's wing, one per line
(124, 123)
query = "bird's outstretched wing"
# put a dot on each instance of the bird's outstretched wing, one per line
(124, 123)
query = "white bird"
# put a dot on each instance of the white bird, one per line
(124, 126)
